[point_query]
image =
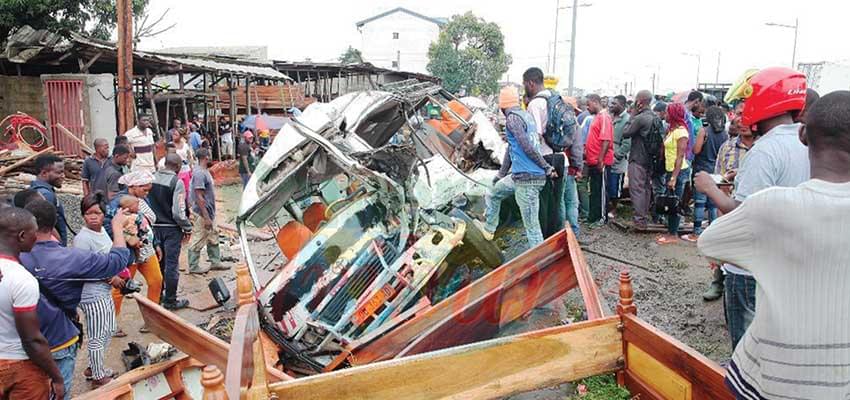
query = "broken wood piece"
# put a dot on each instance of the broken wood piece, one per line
(188, 338)
(23, 161)
(484, 370)
(70, 135)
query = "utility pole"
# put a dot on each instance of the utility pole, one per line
(795, 27)
(575, 7)
(555, 39)
(126, 104)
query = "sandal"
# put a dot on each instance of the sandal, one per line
(691, 238)
(665, 240)
(119, 333)
(87, 374)
(144, 329)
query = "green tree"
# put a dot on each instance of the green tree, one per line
(351, 56)
(469, 54)
(96, 18)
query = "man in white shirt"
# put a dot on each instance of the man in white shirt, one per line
(142, 145)
(27, 369)
(794, 241)
(552, 212)
(776, 159)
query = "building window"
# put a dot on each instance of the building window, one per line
(395, 64)
(395, 35)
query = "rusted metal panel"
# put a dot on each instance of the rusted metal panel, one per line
(65, 106)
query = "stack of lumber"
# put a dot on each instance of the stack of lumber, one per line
(270, 97)
(17, 170)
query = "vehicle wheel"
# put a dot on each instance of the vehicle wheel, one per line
(474, 239)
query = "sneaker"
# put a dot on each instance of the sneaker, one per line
(714, 292)
(176, 304)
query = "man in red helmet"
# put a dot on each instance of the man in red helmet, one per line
(773, 98)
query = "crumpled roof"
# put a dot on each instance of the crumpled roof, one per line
(25, 43)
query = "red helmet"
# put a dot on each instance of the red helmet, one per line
(773, 91)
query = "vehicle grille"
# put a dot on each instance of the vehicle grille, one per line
(357, 283)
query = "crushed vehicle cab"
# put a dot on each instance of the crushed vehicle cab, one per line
(377, 200)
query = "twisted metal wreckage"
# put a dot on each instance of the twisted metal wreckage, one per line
(379, 301)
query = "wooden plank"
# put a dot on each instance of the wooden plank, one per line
(589, 290)
(23, 161)
(188, 338)
(240, 360)
(483, 370)
(71, 136)
(705, 375)
(123, 384)
(657, 376)
(467, 302)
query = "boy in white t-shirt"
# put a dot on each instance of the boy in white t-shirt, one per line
(27, 369)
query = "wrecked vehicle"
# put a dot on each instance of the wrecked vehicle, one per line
(396, 198)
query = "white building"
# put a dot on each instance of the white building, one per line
(399, 39)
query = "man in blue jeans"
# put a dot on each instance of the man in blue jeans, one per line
(773, 98)
(167, 199)
(528, 170)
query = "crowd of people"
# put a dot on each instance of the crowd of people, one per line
(767, 168)
(137, 216)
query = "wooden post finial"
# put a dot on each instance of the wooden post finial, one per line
(626, 304)
(244, 288)
(213, 382)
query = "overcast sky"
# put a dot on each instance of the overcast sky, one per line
(617, 40)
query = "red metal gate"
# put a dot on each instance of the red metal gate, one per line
(65, 106)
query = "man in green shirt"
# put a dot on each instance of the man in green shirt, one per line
(622, 147)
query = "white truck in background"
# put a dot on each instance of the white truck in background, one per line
(825, 77)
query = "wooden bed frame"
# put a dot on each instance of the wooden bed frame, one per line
(415, 359)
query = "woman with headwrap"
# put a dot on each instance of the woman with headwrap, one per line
(138, 184)
(676, 166)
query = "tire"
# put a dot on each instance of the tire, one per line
(474, 239)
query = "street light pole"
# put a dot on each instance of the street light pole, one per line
(555, 50)
(575, 7)
(795, 27)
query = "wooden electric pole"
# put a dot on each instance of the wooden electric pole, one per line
(126, 104)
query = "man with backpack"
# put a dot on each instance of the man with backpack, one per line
(646, 132)
(523, 173)
(556, 127)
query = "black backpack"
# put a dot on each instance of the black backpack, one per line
(561, 124)
(653, 143)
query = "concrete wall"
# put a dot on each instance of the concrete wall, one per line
(22, 93)
(102, 121)
(411, 47)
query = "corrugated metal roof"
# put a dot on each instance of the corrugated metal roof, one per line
(258, 70)
(262, 70)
